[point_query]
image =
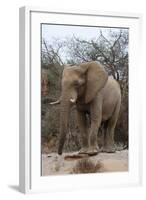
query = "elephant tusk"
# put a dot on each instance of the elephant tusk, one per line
(55, 102)
(72, 100)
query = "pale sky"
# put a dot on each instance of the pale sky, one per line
(50, 33)
(61, 31)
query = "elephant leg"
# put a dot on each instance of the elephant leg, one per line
(83, 128)
(96, 116)
(109, 138)
(101, 135)
(109, 146)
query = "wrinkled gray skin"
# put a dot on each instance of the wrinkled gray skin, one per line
(97, 96)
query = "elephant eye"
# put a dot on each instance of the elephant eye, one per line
(78, 83)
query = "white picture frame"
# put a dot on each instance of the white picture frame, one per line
(29, 160)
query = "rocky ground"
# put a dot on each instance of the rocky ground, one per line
(68, 163)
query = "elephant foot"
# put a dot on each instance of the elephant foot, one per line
(109, 149)
(83, 150)
(93, 151)
(90, 151)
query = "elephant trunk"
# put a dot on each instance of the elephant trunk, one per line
(64, 119)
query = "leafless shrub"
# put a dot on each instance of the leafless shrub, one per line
(87, 166)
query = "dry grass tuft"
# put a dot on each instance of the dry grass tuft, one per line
(87, 166)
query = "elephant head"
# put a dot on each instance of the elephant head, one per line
(81, 82)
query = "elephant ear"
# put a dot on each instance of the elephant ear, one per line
(96, 78)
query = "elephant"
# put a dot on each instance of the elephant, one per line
(97, 97)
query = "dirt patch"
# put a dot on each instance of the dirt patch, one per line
(53, 164)
(75, 157)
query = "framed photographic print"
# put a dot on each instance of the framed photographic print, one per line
(79, 113)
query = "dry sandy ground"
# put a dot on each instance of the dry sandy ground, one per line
(53, 164)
